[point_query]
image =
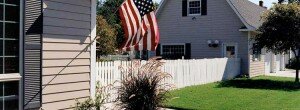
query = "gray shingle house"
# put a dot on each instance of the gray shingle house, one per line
(213, 29)
(46, 60)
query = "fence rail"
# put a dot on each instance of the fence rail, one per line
(184, 72)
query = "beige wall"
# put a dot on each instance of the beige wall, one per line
(256, 67)
(66, 34)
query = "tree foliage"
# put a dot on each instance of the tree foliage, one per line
(280, 31)
(106, 43)
(109, 11)
(290, 1)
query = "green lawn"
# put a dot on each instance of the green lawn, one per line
(260, 93)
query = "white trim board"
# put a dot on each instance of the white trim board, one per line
(93, 48)
(10, 77)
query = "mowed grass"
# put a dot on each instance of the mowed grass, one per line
(260, 93)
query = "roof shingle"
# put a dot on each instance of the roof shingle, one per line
(249, 11)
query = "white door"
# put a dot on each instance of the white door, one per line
(230, 50)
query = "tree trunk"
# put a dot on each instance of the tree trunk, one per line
(297, 68)
(298, 63)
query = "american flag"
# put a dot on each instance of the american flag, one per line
(139, 24)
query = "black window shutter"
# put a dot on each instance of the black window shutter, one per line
(158, 50)
(32, 73)
(203, 7)
(188, 51)
(184, 7)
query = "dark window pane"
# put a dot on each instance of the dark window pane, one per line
(12, 13)
(12, 30)
(1, 47)
(12, 103)
(1, 89)
(1, 29)
(15, 2)
(1, 66)
(1, 95)
(11, 65)
(173, 51)
(1, 11)
(11, 91)
(11, 88)
(11, 48)
(1, 1)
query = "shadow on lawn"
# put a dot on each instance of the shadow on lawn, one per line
(261, 84)
(177, 108)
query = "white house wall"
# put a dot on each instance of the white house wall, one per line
(221, 23)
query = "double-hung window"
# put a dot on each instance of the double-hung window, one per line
(194, 7)
(9, 54)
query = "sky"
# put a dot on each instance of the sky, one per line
(267, 3)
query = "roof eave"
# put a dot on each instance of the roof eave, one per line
(161, 5)
(248, 26)
(246, 30)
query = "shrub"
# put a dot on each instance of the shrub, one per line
(93, 104)
(142, 87)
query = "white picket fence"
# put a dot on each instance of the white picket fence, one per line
(184, 72)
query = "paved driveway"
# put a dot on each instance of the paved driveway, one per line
(287, 73)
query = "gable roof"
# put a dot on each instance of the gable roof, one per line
(248, 12)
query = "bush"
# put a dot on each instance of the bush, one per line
(93, 104)
(142, 87)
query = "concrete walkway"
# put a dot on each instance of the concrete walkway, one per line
(287, 73)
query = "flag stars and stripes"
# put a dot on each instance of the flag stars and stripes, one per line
(139, 24)
(144, 6)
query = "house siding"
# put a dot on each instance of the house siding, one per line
(66, 34)
(221, 23)
(257, 67)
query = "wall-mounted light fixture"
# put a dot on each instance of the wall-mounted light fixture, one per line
(194, 18)
(212, 43)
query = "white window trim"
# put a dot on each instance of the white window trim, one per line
(224, 45)
(188, 8)
(168, 44)
(10, 77)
